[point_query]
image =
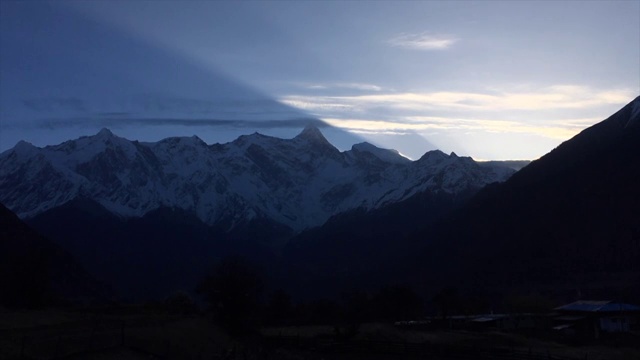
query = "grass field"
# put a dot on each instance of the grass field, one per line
(493, 339)
(60, 334)
(137, 334)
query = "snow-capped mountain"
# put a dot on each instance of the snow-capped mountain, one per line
(299, 182)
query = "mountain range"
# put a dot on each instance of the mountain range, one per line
(152, 218)
(147, 216)
(298, 183)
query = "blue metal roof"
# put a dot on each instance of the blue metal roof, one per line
(598, 306)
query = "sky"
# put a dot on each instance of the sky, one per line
(488, 79)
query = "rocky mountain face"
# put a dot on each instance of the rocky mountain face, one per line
(298, 183)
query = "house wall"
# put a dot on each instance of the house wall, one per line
(518, 322)
(615, 323)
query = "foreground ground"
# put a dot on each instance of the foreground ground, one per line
(139, 334)
(388, 337)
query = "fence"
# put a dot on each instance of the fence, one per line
(106, 338)
(72, 341)
(413, 350)
(69, 340)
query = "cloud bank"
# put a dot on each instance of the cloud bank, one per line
(548, 112)
(423, 41)
(348, 86)
(125, 120)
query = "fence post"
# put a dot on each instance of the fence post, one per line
(24, 339)
(166, 354)
(57, 348)
(93, 330)
(122, 334)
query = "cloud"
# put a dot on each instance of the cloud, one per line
(54, 103)
(553, 97)
(309, 103)
(348, 86)
(423, 41)
(555, 112)
(119, 121)
(422, 124)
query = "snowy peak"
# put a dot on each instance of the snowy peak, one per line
(107, 137)
(256, 139)
(24, 148)
(634, 119)
(104, 133)
(433, 155)
(626, 118)
(368, 147)
(311, 132)
(298, 183)
(86, 148)
(182, 141)
(388, 155)
(312, 135)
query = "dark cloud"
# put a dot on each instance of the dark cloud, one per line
(54, 103)
(122, 120)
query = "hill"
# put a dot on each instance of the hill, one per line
(568, 224)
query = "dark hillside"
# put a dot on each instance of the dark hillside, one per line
(361, 250)
(153, 256)
(35, 272)
(568, 223)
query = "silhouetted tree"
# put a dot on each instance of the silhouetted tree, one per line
(356, 310)
(474, 302)
(447, 301)
(280, 308)
(395, 303)
(180, 303)
(531, 303)
(322, 311)
(233, 290)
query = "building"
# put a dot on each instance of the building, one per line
(592, 319)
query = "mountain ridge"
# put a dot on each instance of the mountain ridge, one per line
(299, 182)
(565, 224)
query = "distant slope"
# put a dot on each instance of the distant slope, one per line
(153, 256)
(511, 164)
(361, 250)
(568, 223)
(35, 272)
